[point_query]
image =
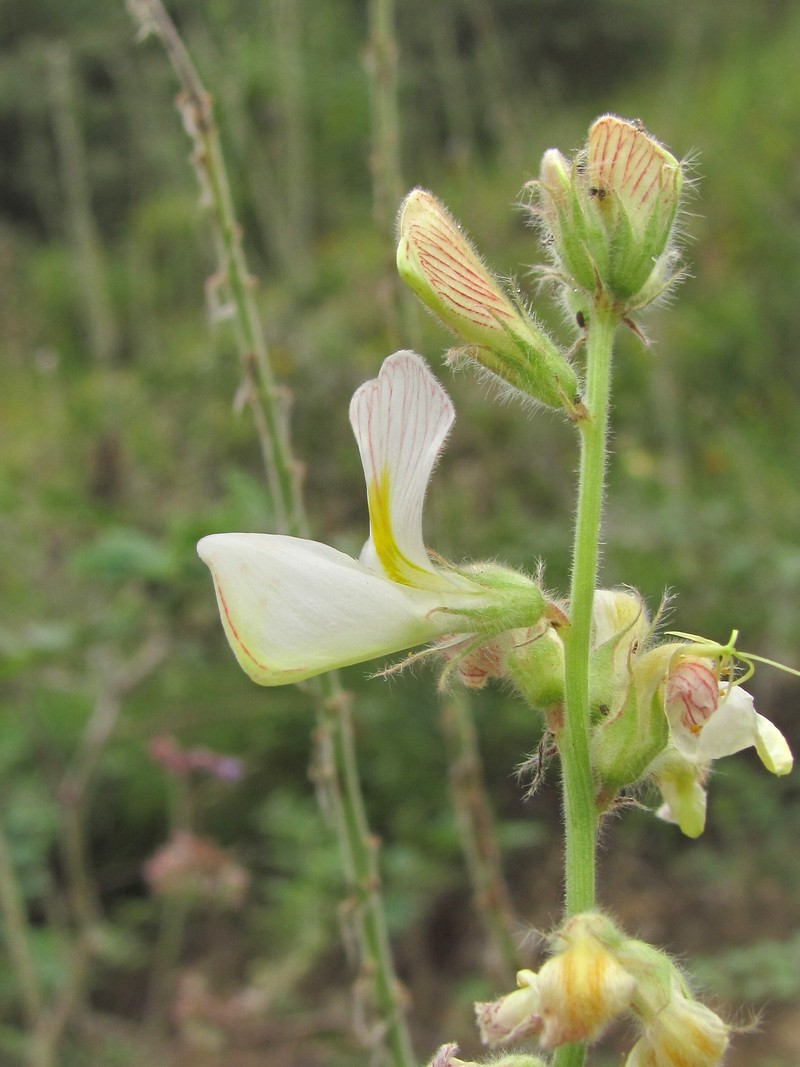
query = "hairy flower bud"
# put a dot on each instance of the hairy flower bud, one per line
(440, 265)
(535, 664)
(609, 215)
(626, 696)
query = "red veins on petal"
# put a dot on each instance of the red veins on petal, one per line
(452, 273)
(694, 685)
(625, 159)
(235, 633)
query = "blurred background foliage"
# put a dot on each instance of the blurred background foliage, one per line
(120, 447)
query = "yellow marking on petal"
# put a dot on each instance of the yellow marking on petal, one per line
(395, 565)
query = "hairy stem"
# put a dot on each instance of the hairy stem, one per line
(342, 788)
(580, 815)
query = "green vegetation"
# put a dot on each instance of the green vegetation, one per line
(123, 442)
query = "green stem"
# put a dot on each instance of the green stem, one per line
(338, 770)
(580, 815)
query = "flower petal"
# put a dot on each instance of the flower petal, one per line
(512, 1017)
(692, 700)
(400, 421)
(626, 160)
(293, 609)
(772, 748)
(681, 785)
(737, 725)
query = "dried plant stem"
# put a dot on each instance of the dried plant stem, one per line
(46, 1037)
(381, 61)
(17, 935)
(478, 838)
(287, 24)
(453, 83)
(90, 276)
(268, 405)
(114, 682)
(492, 64)
(580, 816)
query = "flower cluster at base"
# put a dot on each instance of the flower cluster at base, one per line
(596, 975)
(660, 712)
(293, 608)
(447, 1056)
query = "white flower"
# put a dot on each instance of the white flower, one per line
(294, 608)
(708, 722)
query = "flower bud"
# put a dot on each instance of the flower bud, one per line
(535, 664)
(513, 1016)
(610, 214)
(625, 693)
(437, 262)
(625, 743)
(617, 612)
(583, 987)
(620, 628)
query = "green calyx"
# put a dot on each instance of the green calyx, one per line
(536, 666)
(515, 601)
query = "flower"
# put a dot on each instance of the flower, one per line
(438, 263)
(661, 709)
(708, 721)
(293, 608)
(512, 1017)
(583, 987)
(683, 1033)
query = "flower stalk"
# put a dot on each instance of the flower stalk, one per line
(580, 816)
(267, 403)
